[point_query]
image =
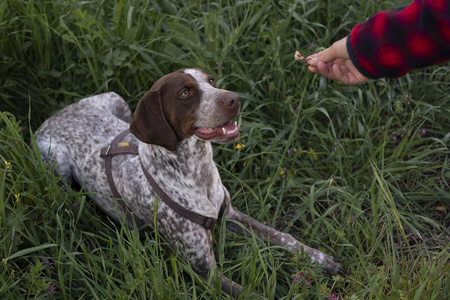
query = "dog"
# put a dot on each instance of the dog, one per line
(113, 154)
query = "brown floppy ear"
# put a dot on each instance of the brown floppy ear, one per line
(149, 124)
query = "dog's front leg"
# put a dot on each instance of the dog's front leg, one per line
(280, 239)
(194, 243)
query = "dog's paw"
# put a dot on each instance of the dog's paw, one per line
(331, 265)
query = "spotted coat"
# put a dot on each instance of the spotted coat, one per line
(173, 126)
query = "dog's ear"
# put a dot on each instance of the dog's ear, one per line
(149, 124)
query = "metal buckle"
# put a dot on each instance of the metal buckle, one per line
(107, 150)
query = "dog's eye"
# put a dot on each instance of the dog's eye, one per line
(185, 94)
(212, 81)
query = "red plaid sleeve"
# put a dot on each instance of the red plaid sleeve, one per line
(391, 43)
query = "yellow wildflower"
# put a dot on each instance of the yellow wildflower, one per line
(8, 165)
(239, 146)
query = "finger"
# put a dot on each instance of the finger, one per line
(325, 69)
(327, 55)
(336, 51)
(351, 79)
(332, 71)
(338, 73)
(315, 69)
(312, 59)
(312, 69)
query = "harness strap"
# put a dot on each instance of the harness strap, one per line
(108, 152)
(206, 222)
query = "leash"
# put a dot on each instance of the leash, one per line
(124, 148)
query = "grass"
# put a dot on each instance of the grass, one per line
(319, 159)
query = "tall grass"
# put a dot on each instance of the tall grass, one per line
(360, 172)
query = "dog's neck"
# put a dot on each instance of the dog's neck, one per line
(200, 189)
(192, 159)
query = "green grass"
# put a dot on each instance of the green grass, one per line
(379, 205)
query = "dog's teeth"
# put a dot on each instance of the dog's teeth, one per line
(224, 130)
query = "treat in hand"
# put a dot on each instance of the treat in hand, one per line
(298, 56)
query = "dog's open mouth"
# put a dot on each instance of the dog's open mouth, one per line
(226, 132)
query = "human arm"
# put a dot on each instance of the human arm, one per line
(389, 44)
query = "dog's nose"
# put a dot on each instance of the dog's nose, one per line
(231, 100)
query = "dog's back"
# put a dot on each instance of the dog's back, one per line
(110, 103)
(71, 139)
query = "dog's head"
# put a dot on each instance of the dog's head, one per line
(182, 104)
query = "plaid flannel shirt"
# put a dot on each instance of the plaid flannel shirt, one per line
(391, 43)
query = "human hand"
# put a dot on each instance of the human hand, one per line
(335, 63)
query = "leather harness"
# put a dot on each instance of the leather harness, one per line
(112, 150)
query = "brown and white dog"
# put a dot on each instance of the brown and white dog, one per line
(173, 127)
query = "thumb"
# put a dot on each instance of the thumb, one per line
(335, 51)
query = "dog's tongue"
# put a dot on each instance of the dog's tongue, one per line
(226, 130)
